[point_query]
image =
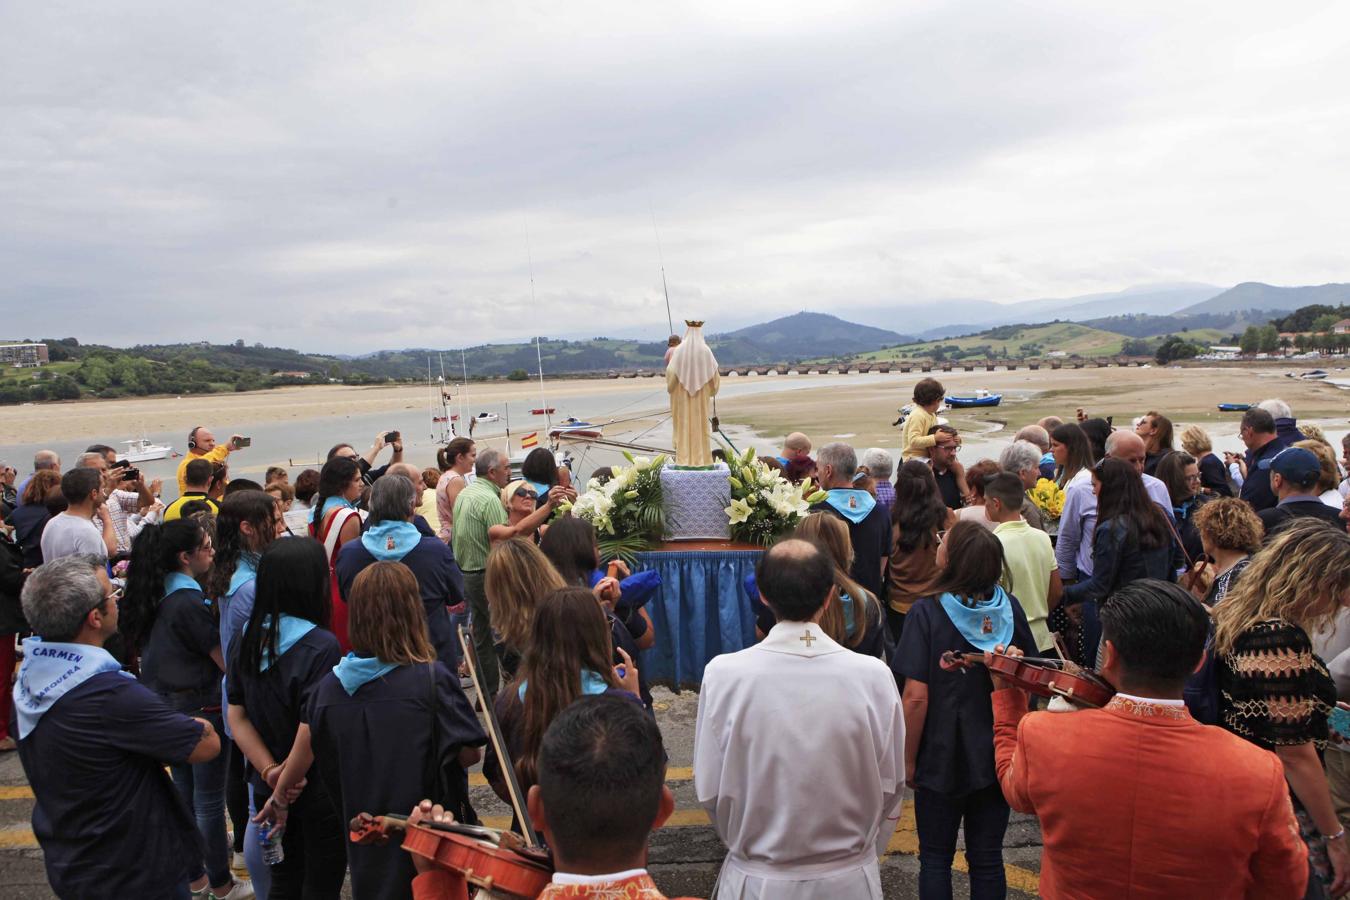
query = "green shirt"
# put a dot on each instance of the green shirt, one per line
(1031, 559)
(477, 508)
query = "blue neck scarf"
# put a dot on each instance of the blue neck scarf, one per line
(986, 624)
(391, 540)
(178, 581)
(592, 683)
(850, 503)
(289, 632)
(245, 571)
(317, 515)
(540, 489)
(354, 671)
(52, 669)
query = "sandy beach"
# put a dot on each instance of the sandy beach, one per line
(292, 426)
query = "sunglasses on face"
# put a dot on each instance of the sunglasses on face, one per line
(525, 492)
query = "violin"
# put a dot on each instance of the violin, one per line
(1043, 676)
(495, 861)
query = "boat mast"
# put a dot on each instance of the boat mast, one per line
(464, 394)
(538, 351)
(660, 258)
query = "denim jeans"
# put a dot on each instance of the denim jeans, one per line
(938, 818)
(202, 787)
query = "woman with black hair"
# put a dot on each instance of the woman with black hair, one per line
(1132, 540)
(248, 523)
(335, 522)
(541, 469)
(570, 544)
(167, 619)
(949, 723)
(284, 651)
(1097, 431)
(385, 727)
(918, 516)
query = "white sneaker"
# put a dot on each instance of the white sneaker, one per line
(241, 890)
(239, 866)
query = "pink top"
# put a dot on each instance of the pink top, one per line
(443, 509)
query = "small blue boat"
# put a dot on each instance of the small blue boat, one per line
(1234, 407)
(983, 398)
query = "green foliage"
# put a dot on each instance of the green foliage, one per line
(518, 375)
(1136, 347)
(1309, 318)
(1174, 348)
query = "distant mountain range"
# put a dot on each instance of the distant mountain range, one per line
(1255, 295)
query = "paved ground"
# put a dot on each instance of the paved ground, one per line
(685, 855)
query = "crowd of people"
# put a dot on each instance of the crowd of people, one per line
(211, 688)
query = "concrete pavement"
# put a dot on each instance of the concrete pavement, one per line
(685, 855)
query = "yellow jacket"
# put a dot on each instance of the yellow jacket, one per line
(217, 455)
(917, 439)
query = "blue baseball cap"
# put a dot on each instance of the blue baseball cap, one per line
(1294, 464)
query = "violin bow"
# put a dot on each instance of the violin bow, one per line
(494, 730)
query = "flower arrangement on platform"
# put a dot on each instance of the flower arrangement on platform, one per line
(765, 505)
(626, 510)
(1048, 497)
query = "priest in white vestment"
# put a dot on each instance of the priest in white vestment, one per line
(692, 381)
(799, 749)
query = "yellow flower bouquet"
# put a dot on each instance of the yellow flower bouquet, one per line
(1048, 497)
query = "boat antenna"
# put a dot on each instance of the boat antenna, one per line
(660, 258)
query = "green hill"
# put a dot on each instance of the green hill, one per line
(1018, 341)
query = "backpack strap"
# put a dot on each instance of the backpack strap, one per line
(332, 529)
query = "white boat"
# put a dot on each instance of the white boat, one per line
(141, 450)
(487, 417)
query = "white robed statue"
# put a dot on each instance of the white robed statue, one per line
(692, 382)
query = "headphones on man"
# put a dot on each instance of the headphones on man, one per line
(192, 438)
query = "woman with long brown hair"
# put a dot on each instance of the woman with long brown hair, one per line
(389, 725)
(949, 723)
(856, 621)
(1072, 452)
(569, 655)
(1273, 690)
(518, 576)
(918, 517)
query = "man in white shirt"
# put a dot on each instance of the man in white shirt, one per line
(799, 748)
(73, 532)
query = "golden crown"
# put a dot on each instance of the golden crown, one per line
(693, 324)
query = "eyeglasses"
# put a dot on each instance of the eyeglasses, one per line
(115, 595)
(526, 492)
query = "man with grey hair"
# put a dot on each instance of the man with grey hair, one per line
(877, 463)
(94, 742)
(869, 525)
(1286, 426)
(1038, 436)
(43, 459)
(1023, 459)
(481, 519)
(390, 536)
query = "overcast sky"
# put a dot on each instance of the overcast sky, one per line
(352, 176)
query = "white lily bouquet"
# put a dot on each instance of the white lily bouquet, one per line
(764, 504)
(626, 510)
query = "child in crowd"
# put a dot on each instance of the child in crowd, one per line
(928, 396)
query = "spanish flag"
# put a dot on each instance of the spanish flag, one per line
(529, 440)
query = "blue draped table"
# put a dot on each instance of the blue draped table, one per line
(701, 609)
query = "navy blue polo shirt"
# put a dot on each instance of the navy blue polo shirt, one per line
(107, 816)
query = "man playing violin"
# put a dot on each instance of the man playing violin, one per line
(601, 792)
(1137, 799)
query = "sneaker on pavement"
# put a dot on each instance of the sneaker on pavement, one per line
(241, 890)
